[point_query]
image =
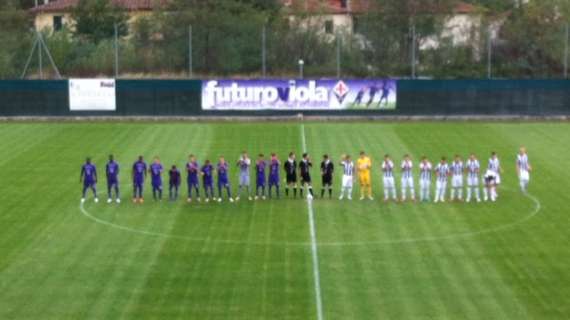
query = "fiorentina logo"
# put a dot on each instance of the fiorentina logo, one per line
(340, 91)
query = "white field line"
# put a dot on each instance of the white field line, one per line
(174, 236)
(453, 236)
(314, 252)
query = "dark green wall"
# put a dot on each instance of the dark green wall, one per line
(415, 97)
(484, 97)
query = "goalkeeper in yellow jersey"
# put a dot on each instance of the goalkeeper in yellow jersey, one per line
(363, 166)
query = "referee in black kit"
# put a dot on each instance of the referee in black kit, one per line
(290, 167)
(305, 167)
(327, 170)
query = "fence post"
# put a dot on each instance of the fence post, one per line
(489, 53)
(566, 50)
(338, 55)
(264, 51)
(413, 62)
(190, 62)
(116, 51)
(40, 62)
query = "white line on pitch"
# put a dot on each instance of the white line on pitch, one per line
(316, 273)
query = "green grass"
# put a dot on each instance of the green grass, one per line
(253, 260)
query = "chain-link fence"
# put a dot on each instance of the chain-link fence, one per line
(168, 46)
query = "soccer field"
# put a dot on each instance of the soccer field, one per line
(280, 259)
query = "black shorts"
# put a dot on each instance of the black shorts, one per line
(327, 180)
(291, 178)
(305, 178)
(489, 180)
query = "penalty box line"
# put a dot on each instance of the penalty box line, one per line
(314, 250)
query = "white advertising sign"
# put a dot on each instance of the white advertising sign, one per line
(92, 95)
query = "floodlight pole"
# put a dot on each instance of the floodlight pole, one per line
(116, 51)
(190, 62)
(30, 57)
(413, 50)
(489, 54)
(263, 51)
(40, 62)
(566, 50)
(338, 55)
(41, 43)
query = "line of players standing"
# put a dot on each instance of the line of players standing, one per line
(442, 170)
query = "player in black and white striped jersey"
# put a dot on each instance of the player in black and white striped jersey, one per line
(472, 168)
(442, 172)
(456, 169)
(495, 167)
(425, 179)
(388, 179)
(407, 178)
(523, 169)
(347, 177)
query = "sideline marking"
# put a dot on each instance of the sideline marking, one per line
(316, 273)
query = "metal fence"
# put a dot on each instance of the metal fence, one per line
(484, 51)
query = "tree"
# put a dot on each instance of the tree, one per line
(226, 35)
(15, 37)
(95, 20)
(532, 40)
(391, 28)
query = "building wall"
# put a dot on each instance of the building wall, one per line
(44, 20)
(341, 22)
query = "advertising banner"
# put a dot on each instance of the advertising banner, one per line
(92, 95)
(268, 94)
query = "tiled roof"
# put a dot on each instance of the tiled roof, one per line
(306, 6)
(328, 6)
(66, 5)
(357, 6)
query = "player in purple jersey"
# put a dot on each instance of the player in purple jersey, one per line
(193, 170)
(156, 179)
(112, 171)
(223, 179)
(274, 166)
(207, 172)
(139, 175)
(89, 178)
(174, 183)
(260, 176)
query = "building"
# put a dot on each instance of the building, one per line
(462, 26)
(55, 14)
(330, 16)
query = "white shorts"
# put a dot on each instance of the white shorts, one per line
(457, 181)
(389, 182)
(473, 181)
(408, 182)
(524, 175)
(347, 181)
(425, 184)
(441, 184)
(244, 180)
